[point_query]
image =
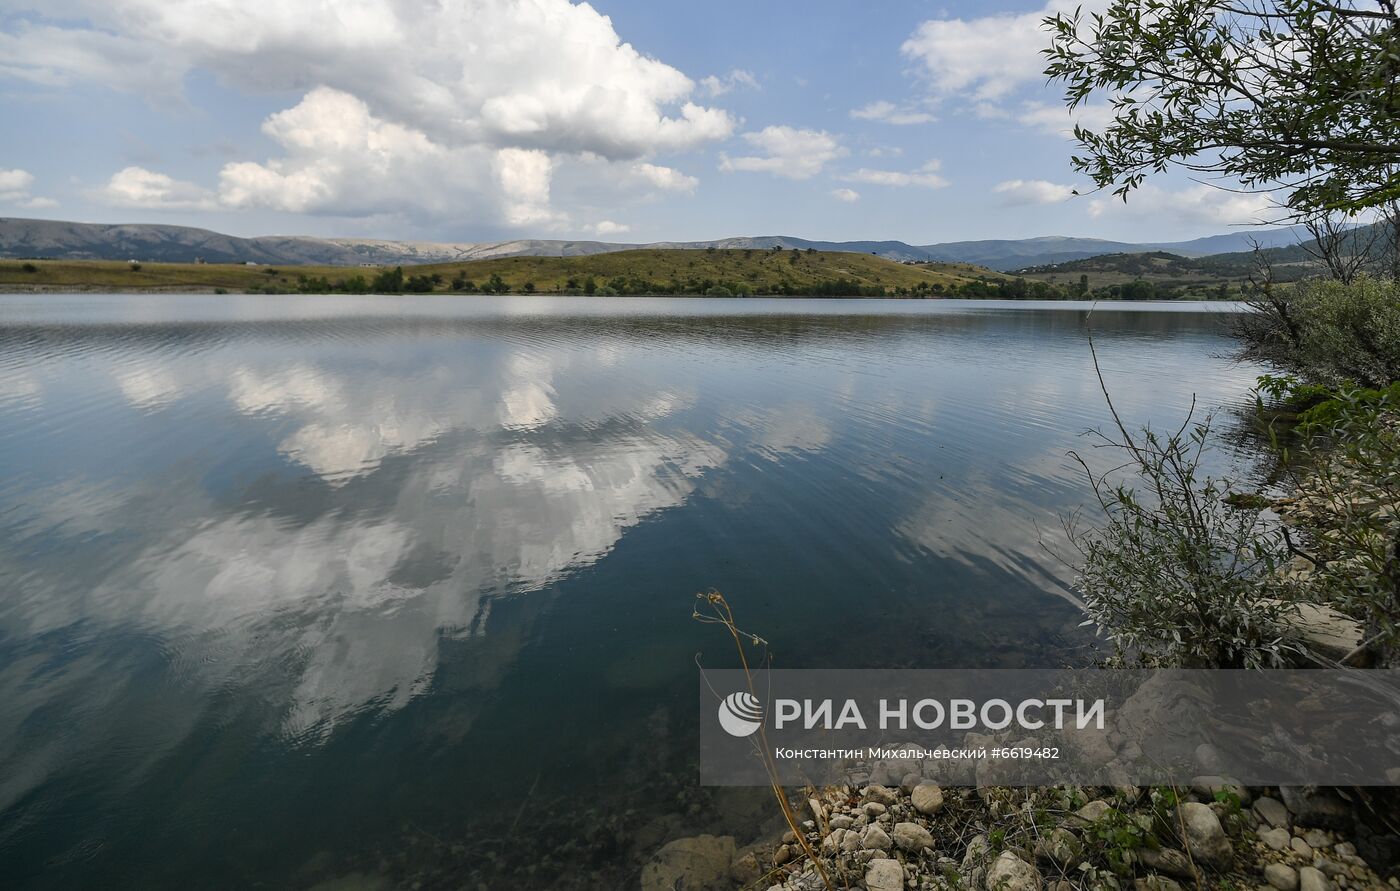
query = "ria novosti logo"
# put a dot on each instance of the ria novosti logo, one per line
(740, 714)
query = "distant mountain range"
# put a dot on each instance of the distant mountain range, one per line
(21, 238)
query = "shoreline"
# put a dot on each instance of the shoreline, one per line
(916, 835)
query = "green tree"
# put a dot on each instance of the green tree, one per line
(1137, 290)
(1293, 94)
(388, 282)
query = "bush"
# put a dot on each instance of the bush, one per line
(1347, 502)
(1182, 573)
(1328, 333)
(29, 267)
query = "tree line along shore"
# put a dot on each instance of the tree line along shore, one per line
(710, 272)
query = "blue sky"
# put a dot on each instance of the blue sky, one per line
(471, 120)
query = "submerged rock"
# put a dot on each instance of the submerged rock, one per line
(701, 863)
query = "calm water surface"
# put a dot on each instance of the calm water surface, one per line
(299, 588)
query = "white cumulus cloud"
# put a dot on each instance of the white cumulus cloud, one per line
(523, 175)
(1060, 121)
(787, 151)
(14, 189)
(988, 57)
(1032, 191)
(1200, 204)
(407, 107)
(667, 179)
(139, 187)
(887, 112)
(338, 158)
(925, 177)
(545, 74)
(850, 196)
(738, 78)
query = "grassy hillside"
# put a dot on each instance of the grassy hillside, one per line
(1168, 273)
(696, 271)
(108, 275)
(633, 272)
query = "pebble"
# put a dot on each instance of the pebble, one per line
(1281, 876)
(876, 839)
(880, 795)
(927, 799)
(1331, 867)
(1010, 873)
(1317, 838)
(1310, 878)
(1301, 848)
(912, 837)
(1272, 811)
(1091, 812)
(884, 875)
(1153, 883)
(1167, 860)
(1275, 838)
(1205, 837)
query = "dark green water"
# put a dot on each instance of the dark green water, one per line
(293, 588)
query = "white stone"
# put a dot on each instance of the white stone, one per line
(927, 798)
(876, 839)
(884, 875)
(912, 837)
(1010, 873)
(880, 794)
(1205, 837)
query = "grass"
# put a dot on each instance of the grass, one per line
(108, 275)
(756, 268)
(1161, 269)
(668, 270)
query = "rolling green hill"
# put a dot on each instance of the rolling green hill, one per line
(1169, 275)
(649, 271)
(698, 271)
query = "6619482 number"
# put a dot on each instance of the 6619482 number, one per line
(1049, 753)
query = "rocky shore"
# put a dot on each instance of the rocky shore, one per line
(916, 835)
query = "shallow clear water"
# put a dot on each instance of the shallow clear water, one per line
(298, 587)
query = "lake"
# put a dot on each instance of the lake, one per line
(372, 591)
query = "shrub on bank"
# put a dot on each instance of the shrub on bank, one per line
(1328, 333)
